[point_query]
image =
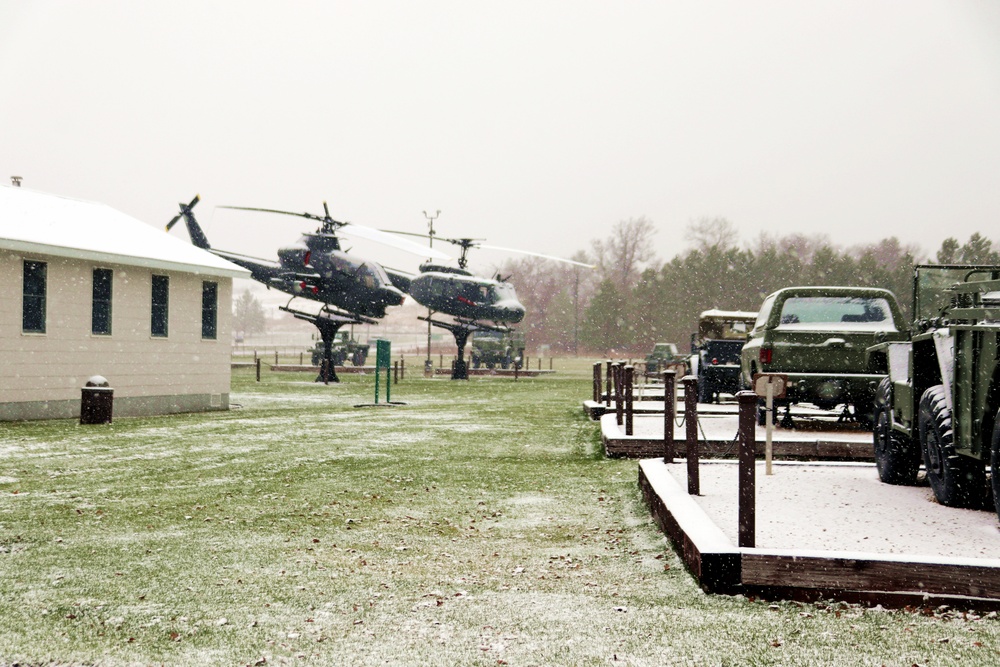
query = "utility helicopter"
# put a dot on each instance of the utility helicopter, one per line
(352, 290)
(476, 303)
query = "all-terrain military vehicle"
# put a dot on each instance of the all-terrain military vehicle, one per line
(493, 348)
(662, 356)
(939, 405)
(715, 351)
(819, 337)
(344, 348)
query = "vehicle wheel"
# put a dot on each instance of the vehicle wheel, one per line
(762, 414)
(475, 362)
(339, 358)
(995, 463)
(896, 458)
(505, 363)
(704, 392)
(357, 359)
(957, 481)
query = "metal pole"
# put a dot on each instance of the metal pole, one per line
(430, 243)
(747, 480)
(691, 441)
(629, 377)
(669, 410)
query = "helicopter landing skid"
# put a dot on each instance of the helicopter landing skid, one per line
(461, 330)
(328, 322)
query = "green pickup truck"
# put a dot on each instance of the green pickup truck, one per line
(818, 337)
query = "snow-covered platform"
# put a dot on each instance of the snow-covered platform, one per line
(817, 435)
(827, 530)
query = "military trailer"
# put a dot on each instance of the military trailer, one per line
(939, 405)
(715, 351)
(497, 348)
(344, 347)
(819, 337)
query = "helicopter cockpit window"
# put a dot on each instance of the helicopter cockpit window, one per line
(504, 291)
(368, 275)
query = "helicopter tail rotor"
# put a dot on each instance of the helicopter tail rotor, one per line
(198, 237)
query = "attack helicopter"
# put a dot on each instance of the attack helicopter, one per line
(352, 290)
(475, 303)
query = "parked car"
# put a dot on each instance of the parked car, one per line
(818, 337)
(715, 351)
(497, 348)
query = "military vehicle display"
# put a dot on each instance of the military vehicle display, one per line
(343, 348)
(818, 337)
(940, 402)
(715, 351)
(497, 348)
(662, 356)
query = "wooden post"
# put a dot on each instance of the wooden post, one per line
(669, 410)
(747, 474)
(275, 356)
(395, 372)
(257, 362)
(596, 389)
(300, 359)
(550, 363)
(616, 369)
(402, 367)
(539, 363)
(629, 373)
(517, 370)
(607, 383)
(691, 441)
(440, 360)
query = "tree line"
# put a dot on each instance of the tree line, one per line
(632, 299)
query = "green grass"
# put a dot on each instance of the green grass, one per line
(478, 525)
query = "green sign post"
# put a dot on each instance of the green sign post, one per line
(383, 359)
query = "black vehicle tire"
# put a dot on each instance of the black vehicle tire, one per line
(762, 414)
(364, 357)
(957, 481)
(505, 363)
(476, 362)
(704, 391)
(339, 357)
(995, 463)
(896, 457)
(357, 359)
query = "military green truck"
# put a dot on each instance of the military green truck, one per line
(819, 337)
(344, 347)
(497, 348)
(939, 405)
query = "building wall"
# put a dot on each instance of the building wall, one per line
(41, 374)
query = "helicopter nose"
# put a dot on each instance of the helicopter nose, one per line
(392, 296)
(510, 311)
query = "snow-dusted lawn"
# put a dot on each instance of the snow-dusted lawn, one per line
(479, 525)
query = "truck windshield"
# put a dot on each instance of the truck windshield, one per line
(837, 312)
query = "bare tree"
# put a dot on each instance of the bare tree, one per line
(705, 233)
(621, 257)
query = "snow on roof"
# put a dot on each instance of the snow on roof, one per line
(32, 221)
(734, 314)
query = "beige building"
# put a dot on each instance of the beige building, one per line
(86, 290)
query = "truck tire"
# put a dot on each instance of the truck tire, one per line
(896, 458)
(476, 362)
(358, 358)
(704, 391)
(995, 463)
(957, 481)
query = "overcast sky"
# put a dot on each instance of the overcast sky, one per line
(531, 124)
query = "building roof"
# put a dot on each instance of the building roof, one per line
(38, 222)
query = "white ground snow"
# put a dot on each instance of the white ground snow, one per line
(844, 507)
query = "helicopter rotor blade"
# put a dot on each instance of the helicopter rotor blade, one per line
(173, 221)
(310, 216)
(536, 254)
(372, 234)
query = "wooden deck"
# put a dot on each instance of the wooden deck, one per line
(887, 579)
